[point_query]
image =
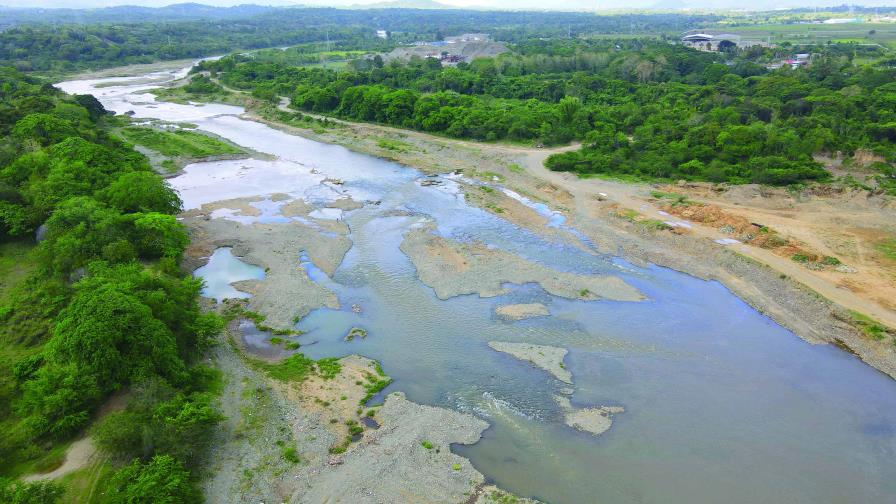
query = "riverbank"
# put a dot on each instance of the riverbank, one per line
(626, 219)
(645, 366)
(314, 440)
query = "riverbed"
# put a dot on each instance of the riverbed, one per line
(720, 403)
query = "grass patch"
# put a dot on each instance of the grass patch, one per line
(887, 248)
(868, 326)
(394, 145)
(830, 261)
(178, 143)
(654, 225)
(375, 383)
(625, 214)
(291, 455)
(328, 368)
(800, 258)
(87, 485)
(236, 310)
(426, 444)
(674, 199)
(200, 89)
(296, 367)
(515, 168)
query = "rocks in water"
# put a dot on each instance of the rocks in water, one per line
(454, 268)
(545, 357)
(594, 420)
(356, 332)
(522, 311)
(356, 308)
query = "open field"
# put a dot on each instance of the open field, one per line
(861, 33)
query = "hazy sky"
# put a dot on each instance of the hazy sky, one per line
(500, 4)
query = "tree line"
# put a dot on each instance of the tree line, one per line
(641, 108)
(106, 308)
(64, 40)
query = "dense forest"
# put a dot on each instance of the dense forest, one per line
(641, 108)
(102, 307)
(46, 46)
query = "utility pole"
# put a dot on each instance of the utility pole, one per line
(324, 55)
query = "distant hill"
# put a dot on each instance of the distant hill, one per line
(128, 14)
(405, 4)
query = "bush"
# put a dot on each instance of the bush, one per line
(162, 480)
(39, 492)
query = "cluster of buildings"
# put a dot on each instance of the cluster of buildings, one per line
(798, 60)
(721, 42)
(708, 42)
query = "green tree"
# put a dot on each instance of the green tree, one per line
(38, 492)
(162, 480)
(142, 192)
(44, 129)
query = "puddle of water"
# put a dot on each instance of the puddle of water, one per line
(222, 270)
(721, 403)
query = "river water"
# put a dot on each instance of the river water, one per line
(721, 404)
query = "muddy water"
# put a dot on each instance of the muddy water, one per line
(721, 404)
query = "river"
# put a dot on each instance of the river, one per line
(721, 404)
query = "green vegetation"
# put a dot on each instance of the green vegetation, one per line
(356, 332)
(98, 305)
(644, 110)
(868, 326)
(673, 199)
(887, 248)
(161, 479)
(45, 39)
(394, 145)
(235, 310)
(179, 142)
(291, 455)
(426, 444)
(199, 88)
(375, 383)
(297, 368)
(17, 492)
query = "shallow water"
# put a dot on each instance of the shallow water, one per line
(721, 403)
(222, 270)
